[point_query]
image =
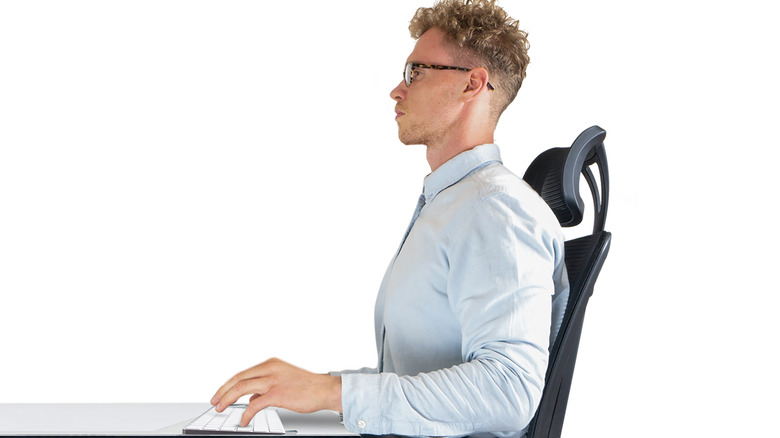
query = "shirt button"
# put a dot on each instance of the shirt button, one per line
(361, 424)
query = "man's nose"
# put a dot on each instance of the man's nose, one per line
(399, 92)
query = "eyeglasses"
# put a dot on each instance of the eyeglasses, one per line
(410, 66)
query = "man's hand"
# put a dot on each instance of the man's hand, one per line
(277, 383)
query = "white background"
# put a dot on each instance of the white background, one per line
(188, 188)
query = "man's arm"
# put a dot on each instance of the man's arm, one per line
(503, 305)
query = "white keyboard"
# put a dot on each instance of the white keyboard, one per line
(211, 421)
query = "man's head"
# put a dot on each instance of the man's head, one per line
(465, 69)
(480, 33)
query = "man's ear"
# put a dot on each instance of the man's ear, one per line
(478, 81)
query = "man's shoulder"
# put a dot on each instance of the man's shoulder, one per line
(496, 185)
(495, 179)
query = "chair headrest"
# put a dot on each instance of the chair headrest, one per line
(555, 175)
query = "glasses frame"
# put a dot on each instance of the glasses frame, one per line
(410, 66)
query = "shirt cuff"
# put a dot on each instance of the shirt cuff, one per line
(360, 398)
(364, 370)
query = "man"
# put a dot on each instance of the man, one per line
(463, 315)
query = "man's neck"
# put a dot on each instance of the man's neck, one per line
(469, 129)
(438, 154)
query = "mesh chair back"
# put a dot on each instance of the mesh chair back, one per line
(555, 175)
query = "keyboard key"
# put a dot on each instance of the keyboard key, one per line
(216, 421)
(275, 423)
(228, 421)
(233, 420)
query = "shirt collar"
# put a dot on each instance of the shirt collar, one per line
(458, 167)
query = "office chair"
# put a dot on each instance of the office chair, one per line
(555, 175)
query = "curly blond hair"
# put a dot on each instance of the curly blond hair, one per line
(490, 37)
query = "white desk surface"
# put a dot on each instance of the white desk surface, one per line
(138, 419)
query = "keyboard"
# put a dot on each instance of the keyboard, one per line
(228, 421)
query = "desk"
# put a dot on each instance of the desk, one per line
(138, 419)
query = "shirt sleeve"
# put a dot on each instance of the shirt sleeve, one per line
(364, 370)
(499, 288)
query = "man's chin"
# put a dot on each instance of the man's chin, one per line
(409, 140)
(412, 143)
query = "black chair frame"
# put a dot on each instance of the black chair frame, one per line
(555, 175)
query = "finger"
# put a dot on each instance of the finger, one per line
(251, 373)
(227, 386)
(251, 399)
(242, 388)
(257, 404)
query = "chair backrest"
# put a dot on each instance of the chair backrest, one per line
(555, 175)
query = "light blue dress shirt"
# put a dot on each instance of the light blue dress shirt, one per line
(464, 314)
